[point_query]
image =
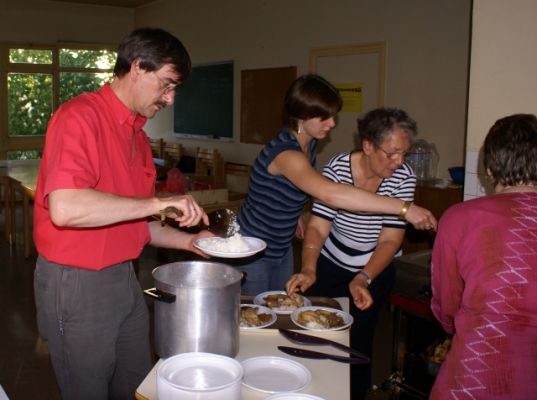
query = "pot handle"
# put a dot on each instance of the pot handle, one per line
(160, 295)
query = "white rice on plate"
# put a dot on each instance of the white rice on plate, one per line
(232, 244)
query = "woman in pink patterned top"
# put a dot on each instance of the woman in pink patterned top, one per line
(484, 275)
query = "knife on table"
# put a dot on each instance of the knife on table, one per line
(302, 338)
(321, 356)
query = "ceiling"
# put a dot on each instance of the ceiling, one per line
(113, 3)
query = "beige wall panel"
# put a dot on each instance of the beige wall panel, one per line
(40, 21)
(426, 60)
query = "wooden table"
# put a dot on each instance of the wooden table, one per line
(330, 379)
(19, 176)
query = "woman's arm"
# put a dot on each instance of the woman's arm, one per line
(389, 242)
(316, 233)
(295, 166)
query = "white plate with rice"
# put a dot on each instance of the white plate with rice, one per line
(321, 319)
(236, 246)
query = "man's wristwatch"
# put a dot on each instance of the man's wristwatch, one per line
(365, 275)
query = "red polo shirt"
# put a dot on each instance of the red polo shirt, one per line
(89, 144)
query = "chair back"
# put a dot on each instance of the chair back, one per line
(157, 147)
(237, 177)
(209, 163)
(172, 154)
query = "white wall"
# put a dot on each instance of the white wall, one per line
(502, 75)
(40, 21)
(426, 40)
(427, 54)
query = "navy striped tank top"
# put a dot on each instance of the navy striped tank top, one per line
(274, 204)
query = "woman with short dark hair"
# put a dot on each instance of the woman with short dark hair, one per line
(484, 275)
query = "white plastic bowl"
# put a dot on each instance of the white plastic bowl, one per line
(199, 376)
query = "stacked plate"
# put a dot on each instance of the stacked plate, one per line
(293, 396)
(199, 376)
(275, 374)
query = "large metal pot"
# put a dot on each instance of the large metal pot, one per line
(197, 308)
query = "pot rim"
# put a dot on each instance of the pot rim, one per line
(228, 277)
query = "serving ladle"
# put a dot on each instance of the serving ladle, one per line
(302, 338)
(222, 222)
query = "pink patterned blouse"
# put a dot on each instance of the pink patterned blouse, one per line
(484, 281)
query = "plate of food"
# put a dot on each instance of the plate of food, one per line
(281, 302)
(316, 318)
(256, 317)
(235, 246)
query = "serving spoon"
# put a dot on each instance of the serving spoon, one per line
(302, 338)
(222, 222)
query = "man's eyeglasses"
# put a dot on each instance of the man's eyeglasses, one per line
(394, 155)
(165, 86)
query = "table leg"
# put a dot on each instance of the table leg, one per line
(26, 224)
(13, 217)
(9, 206)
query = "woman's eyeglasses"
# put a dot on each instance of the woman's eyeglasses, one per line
(393, 155)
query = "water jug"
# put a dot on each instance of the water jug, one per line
(423, 158)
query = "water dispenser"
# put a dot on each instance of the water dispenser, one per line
(423, 158)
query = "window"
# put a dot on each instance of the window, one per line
(35, 80)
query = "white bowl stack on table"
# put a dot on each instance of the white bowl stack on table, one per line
(322, 379)
(197, 375)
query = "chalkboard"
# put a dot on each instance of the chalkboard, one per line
(204, 103)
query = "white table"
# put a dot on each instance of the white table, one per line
(329, 379)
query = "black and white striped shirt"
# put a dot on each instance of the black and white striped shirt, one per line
(354, 235)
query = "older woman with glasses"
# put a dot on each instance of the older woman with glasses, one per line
(348, 253)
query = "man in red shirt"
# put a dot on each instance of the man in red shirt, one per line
(95, 191)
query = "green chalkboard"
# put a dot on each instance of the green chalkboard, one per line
(204, 103)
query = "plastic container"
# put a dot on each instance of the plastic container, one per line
(199, 376)
(423, 158)
(457, 175)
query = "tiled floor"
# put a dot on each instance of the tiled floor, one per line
(25, 370)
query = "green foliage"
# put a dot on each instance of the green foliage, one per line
(30, 95)
(29, 103)
(30, 56)
(24, 155)
(74, 83)
(102, 59)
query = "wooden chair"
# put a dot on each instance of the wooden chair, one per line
(172, 154)
(209, 163)
(238, 169)
(237, 177)
(157, 147)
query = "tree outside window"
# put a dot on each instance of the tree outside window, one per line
(37, 81)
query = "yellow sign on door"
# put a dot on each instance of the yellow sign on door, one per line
(351, 93)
